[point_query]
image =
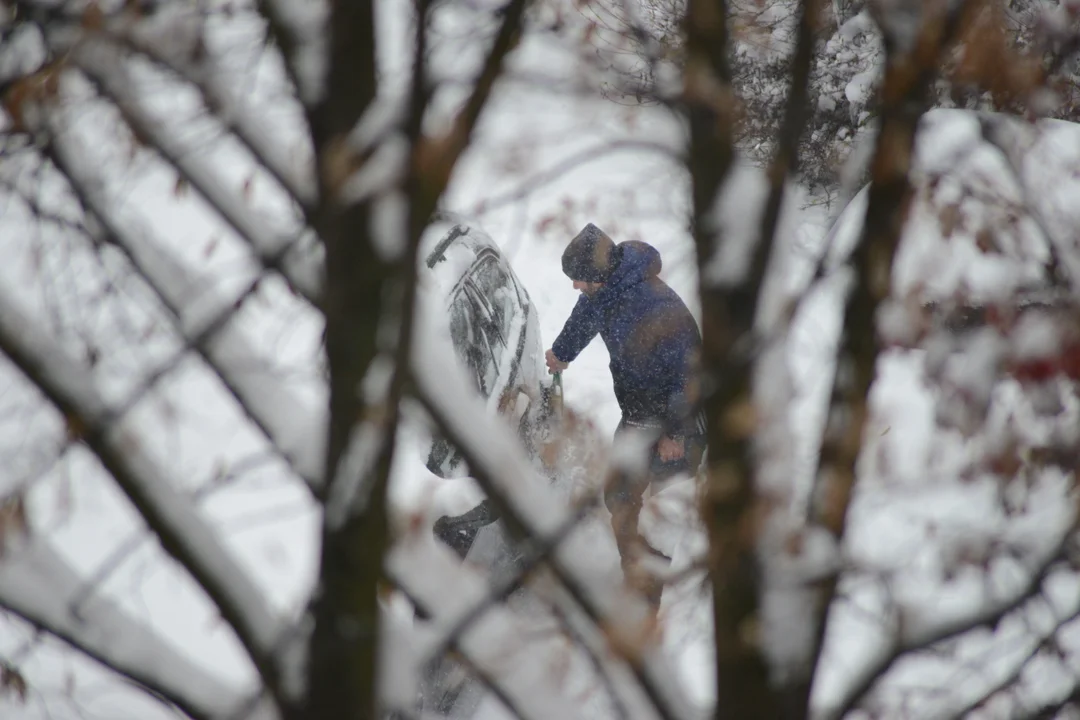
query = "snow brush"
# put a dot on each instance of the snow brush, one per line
(557, 394)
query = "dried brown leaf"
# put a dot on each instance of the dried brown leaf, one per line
(12, 682)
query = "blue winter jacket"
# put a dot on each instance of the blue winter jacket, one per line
(652, 338)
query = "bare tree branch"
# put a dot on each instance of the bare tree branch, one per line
(560, 169)
(989, 615)
(296, 430)
(201, 74)
(276, 250)
(912, 63)
(181, 530)
(37, 585)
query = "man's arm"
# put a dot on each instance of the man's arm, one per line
(580, 328)
(681, 389)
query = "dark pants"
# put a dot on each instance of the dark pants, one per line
(624, 499)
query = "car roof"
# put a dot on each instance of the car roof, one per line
(448, 249)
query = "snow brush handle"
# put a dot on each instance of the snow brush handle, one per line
(557, 394)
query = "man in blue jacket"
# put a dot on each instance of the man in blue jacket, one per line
(655, 347)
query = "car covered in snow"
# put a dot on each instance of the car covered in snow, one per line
(495, 334)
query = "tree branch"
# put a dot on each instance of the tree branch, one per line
(991, 132)
(298, 29)
(37, 585)
(225, 108)
(276, 250)
(434, 159)
(294, 429)
(785, 161)
(911, 65)
(180, 529)
(988, 616)
(561, 168)
(731, 506)
(496, 645)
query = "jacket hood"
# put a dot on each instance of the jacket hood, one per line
(589, 256)
(635, 261)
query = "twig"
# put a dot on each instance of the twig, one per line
(538, 552)
(988, 616)
(181, 532)
(218, 102)
(559, 170)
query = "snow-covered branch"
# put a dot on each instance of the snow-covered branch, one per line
(908, 76)
(105, 67)
(496, 643)
(205, 317)
(1011, 680)
(989, 615)
(200, 72)
(538, 552)
(39, 586)
(147, 483)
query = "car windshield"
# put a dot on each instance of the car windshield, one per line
(496, 287)
(470, 342)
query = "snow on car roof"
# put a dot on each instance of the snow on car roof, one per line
(448, 248)
(978, 223)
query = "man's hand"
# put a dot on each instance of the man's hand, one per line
(554, 364)
(670, 449)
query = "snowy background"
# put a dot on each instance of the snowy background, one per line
(920, 527)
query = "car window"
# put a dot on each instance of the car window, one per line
(498, 289)
(470, 343)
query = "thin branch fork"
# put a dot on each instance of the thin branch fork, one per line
(181, 531)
